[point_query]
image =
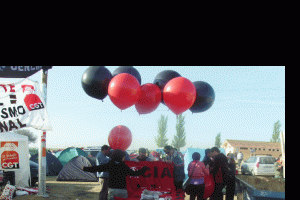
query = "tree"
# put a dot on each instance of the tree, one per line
(180, 137)
(161, 139)
(276, 132)
(218, 140)
(27, 132)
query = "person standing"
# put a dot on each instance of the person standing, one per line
(278, 168)
(118, 171)
(207, 160)
(240, 158)
(101, 159)
(175, 157)
(230, 186)
(142, 156)
(220, 173)
(197, 171)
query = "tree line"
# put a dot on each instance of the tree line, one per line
(179, 139)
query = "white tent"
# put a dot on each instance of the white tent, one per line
(22, 174)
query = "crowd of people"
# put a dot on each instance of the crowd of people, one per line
(112, 171)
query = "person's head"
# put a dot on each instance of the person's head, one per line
(105, 150)
(168, 150)
(196, 156)
(207, 152)
(142, 153)
(214, 151)
(118, 155)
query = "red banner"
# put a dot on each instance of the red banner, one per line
(159, 176)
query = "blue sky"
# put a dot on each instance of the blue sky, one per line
(248, 101)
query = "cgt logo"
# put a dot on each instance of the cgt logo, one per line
(33, 102)
(10, 165)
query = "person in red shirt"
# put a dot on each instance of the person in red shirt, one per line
(197, 171)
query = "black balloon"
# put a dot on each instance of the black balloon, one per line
(95, 81)
(129, 70)
(163, 77)
(205, 97)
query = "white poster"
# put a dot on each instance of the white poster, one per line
(22, 105)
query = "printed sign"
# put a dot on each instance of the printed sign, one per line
(21, 106)
(9, 155)
(160, 176)
(20, 71)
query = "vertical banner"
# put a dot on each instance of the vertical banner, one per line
(9, 155)
(22, 105)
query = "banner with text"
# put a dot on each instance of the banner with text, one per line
(160, 176)
(20, 71)
(21, 105)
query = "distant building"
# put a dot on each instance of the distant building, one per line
(251, 148)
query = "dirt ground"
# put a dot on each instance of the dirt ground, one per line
(267, 183)
(60, 190)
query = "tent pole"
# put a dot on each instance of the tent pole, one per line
(42, 148)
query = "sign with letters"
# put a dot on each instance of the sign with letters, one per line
(20, 71)
(9, 155)
(21, 105)
(160, 176)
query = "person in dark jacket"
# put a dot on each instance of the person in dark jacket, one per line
(207, 160)
(176, 158)
(220, 172)
(230, 187)
(118, 171)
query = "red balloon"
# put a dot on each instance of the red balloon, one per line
(124, 90)
(120, 138)
(149, 99)
(209, 186)
(179, 94)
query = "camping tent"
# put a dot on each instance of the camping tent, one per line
(66, 155)
(16, 144)
(53, 166)
(72, 171)
(57, 154)
(188, 157)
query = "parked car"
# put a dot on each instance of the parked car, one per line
(92, 154)
(259, 165)
(34, 171)
(92, 151)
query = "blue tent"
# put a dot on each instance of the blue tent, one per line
(188, 157)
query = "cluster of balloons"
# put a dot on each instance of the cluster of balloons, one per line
(125, 90)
